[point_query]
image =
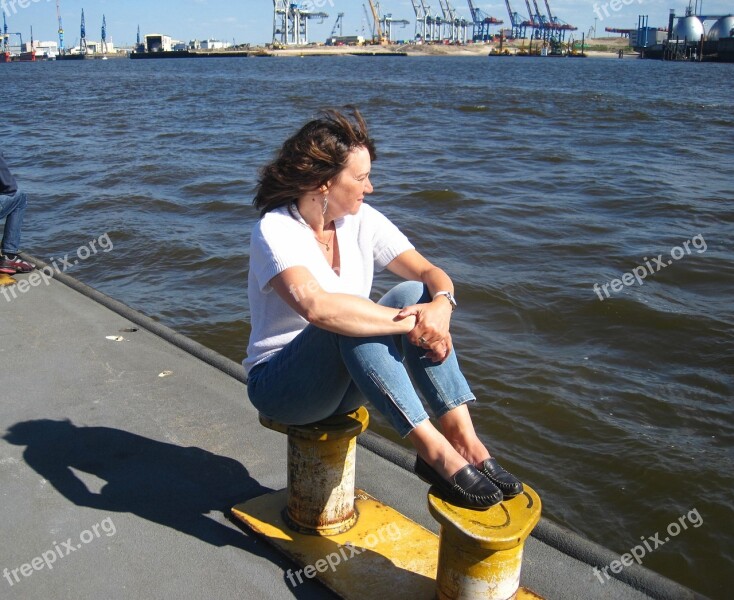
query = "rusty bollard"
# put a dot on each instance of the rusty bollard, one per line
(321, 461)
(480, 552)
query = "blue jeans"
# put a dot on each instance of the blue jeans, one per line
(12, 207)
(320, 374)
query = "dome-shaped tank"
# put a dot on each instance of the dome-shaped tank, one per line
(688, 28)
(721, 29)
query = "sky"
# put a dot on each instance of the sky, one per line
(252, 20)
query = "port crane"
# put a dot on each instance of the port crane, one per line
(6, 37)
(61, 28)
(387, 22)
(338, 25)
(559, 27)
(481, 23)
(6, 40)
(381, 39)
(83, 36)
(420, 19)
(519, 25)
(290, 22)
(427, 26)
(454, 28)
(541, 30)
(104, 34)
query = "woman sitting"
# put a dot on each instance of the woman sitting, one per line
(319, 346)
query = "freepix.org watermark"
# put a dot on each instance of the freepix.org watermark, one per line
(57, 265)
(614, 5)
(47, 559)
(312, 5)
(12, 6)
(639, 273)
(649, 544)
(344, 553)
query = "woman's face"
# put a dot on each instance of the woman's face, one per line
(348, 189)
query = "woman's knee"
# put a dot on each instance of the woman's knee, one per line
(405, 294)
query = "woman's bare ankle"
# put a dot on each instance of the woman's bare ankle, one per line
(436, 450)
(446, 462)
(473, 451)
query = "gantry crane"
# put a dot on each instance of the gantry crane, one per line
(420, 19)
(104, 34)
(519, 25)
(531, 19)
(542, 30)
(83, 37)
(482, 22)
(559, 27)
(290, 22)
(428, 26)
(338, 25)
(61, 28)
(5, 56)
(454, 28)
(387, 22)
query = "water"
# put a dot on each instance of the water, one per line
(528, 180)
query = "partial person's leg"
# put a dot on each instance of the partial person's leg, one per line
(305, 382)
(377, 367)
(457, 427)
(13, 208)
(447, 392)
(442, 385)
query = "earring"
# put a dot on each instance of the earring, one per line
(326, 203)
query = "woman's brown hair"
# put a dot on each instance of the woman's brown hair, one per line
(313, 156)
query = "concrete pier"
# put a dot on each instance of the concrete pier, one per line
(124, 445)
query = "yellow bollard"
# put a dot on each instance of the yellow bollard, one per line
(321, 465)
(480, 552)
(6, 279)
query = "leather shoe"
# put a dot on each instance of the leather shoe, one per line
(466, 488)
(510, 485)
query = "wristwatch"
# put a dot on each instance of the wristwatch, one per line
(449, 297)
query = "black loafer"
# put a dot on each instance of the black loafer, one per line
(510, 485)
(467, 487)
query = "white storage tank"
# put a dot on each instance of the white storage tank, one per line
(688, 28)
(721, 29)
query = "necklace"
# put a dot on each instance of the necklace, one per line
(325, 243)
(302, 221)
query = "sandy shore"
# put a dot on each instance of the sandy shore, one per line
(610, 49)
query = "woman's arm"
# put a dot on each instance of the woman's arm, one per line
(432, 319)
(340, 313)
(413, 266)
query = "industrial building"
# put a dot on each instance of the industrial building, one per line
(157, 42)
(686, 37)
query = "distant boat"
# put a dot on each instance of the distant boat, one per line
(70, 56)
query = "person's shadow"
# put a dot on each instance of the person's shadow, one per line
(171, 485)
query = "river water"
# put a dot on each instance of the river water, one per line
(528, 180)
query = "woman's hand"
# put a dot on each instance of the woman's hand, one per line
(431, 329)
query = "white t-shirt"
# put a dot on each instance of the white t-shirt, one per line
(367, 241)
